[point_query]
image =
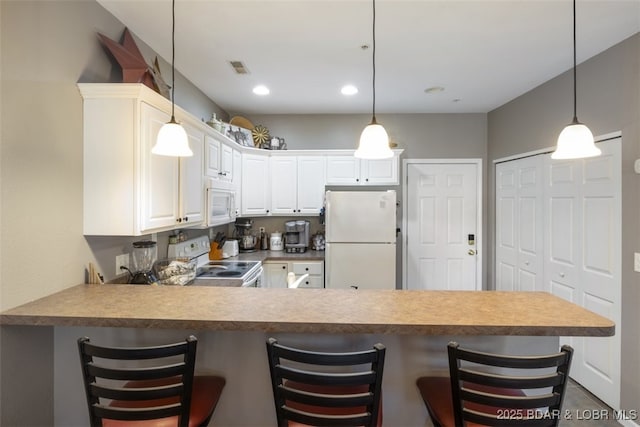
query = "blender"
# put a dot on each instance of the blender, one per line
(144, 254)
(247, 239)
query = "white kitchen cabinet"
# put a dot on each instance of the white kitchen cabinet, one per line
(172, 187)
(345, 169)
(236, 182)
(275, 273)
(192, 185)
(219, 159)
(297, 184)
(256, 191)
(284, 184)
(315, 269)
(127, 190)
(311, 182)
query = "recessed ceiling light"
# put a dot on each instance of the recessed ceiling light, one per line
(434, 89)
(261, 90)
(349, 90)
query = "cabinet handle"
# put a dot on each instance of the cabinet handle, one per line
(353, 287)
(357, 179)
(186, 218)
(179, 219)
(367, 179)
(306, 269)
(284, 266)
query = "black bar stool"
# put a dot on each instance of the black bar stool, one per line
(153, 386)
(306, 392)
(476, 393)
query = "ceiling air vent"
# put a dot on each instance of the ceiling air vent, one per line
(239, 67)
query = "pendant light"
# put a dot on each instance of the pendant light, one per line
(374, 141)
(172, 139)
(575, 140)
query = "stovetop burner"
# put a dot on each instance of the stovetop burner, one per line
(215, 269)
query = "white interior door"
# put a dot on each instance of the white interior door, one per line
(442, 225)
(519, 225)
(583, 213)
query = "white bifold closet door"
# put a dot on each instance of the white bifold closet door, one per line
(558, 230)
(519, 225)
(583, 257)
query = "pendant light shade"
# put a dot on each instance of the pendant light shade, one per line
(172, 139)
(374, 141)
(576, 140)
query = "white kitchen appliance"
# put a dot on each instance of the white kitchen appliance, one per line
(220, 206)
(360, 239)
(219, 272)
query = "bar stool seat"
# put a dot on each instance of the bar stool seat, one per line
(436, 393)
(206, 392)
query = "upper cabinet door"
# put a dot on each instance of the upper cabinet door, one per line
(192, 180)
(284, 184)
(311, 182)
(159, 175)
(343, 170)
(226, 163)
(377, 172)
(213, 156)
(255, 184)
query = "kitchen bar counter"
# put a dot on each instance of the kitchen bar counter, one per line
(328, 311)
(232, 325)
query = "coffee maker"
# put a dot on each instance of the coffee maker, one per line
(296, 236)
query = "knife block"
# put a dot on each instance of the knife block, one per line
(216, 251)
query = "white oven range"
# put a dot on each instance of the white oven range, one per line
(218, 272)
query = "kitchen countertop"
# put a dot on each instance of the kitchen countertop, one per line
(263, 256)
(312, 311)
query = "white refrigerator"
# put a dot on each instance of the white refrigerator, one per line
(360, 236)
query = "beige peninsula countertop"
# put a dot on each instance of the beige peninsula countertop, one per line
(312, 311)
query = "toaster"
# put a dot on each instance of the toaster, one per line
(230, 248)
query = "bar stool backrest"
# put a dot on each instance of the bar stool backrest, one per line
(307, 390)
(161, 387)
(486, 388)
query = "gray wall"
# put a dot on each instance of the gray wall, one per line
(608, 101)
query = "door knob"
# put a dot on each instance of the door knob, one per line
(471, 252)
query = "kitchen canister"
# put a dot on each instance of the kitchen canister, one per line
(276, 242)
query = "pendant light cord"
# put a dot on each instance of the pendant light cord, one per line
(173, 58)
(374, 63)
(575, 86)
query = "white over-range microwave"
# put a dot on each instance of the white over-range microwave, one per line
(221, 206)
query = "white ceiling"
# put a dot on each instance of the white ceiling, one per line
(484, 53)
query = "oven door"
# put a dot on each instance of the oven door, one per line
(253, 281)
(220, 206)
